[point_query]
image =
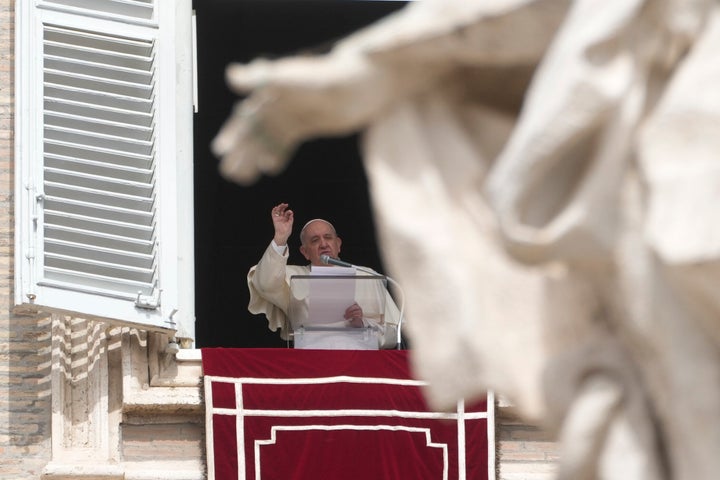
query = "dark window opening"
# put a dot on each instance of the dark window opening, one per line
(324, 179)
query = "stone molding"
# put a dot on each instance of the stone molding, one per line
(101, 377)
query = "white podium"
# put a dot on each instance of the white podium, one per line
(317, 308)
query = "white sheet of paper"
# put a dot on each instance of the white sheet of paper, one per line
(319, 270)
(329, 298)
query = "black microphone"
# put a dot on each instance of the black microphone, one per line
(328, 260)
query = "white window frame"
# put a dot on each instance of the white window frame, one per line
(171, 28)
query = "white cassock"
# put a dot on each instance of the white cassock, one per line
(270, 294)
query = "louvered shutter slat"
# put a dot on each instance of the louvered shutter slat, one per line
(98, 213)
(111, 142)
(118, 116)
(93, 238)
(99, 261)
(69, 93)
(91, 197)
(101, 256)
(96, 284)
(81, 222)
(86, 182)
(86, 58)
(90, 267)
(101, 169)
(97, 72)
(140, 9)
(98, 84)
(99, 154)
(97, 126)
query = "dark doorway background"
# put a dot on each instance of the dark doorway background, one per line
(325, 178)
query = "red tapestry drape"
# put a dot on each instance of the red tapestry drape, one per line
(326, 414)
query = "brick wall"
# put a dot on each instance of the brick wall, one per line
(24, 341)
(526, 452)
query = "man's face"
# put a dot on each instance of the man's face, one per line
(318, 239)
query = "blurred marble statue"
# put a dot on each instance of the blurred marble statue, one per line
(545, 176)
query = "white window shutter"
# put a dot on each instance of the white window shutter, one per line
(103, 164)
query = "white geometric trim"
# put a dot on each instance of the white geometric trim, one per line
(393, 428)
(319, 380)
(461, 416)
(349, 412)
(209, 443)
(240, 431)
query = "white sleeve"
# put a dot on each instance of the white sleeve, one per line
(283, 251)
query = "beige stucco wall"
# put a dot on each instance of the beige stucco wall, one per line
(122, 407)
